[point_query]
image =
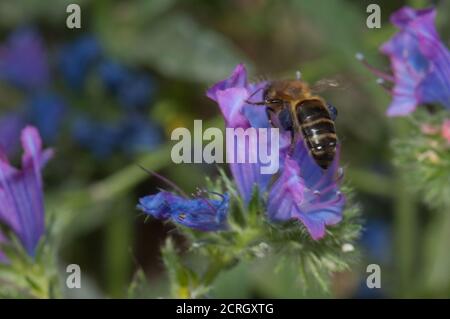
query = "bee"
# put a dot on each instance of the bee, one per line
(292, 106)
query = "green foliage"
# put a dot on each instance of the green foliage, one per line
(27, 277)
(425, 159)
(172, 43)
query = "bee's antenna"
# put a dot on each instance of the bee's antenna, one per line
(164, 179)
(298, 75)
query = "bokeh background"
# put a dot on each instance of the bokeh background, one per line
(138, 69)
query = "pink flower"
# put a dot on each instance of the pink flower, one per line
(445, 131)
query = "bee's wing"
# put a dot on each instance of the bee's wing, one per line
(336, 82)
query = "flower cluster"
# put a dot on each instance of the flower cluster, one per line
(419, 60)
(24, 64)
(21, 192)
(134, 132)
(303, 191)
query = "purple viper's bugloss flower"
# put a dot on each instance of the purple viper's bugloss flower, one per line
(23, 60)
(419, 60)
(303, 191)
(307, 193)
(231, 94)
(21, 191)
(198, 213)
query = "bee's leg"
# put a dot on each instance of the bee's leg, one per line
(260, 103)
(270, 112)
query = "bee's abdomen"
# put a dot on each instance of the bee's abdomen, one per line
(318, 131)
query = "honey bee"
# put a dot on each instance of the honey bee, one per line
(292, 106)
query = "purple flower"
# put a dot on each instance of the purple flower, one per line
(306, 193)
(23, 60)
(199, 213)
(231, 94)
(303, 191)
(21, 191)
(419, 60)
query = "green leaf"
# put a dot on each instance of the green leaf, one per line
(177, 46)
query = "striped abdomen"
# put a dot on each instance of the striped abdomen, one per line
(318, 131)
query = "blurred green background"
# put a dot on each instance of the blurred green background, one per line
(186, 46)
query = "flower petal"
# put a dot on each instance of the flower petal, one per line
(420, 61)
(199, 213)
(306, 193)
(23, 60)
(21, 195)
(238, 79)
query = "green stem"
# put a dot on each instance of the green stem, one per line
(131, 175)
(405, 229)
(118, 238)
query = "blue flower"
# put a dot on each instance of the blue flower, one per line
(304, 191)
(11, 125)
(21, 191)
(23, 61)
(131, 135)
(139, 135)
(376, 239)
(101, 138)
(199, 213)
(46, 111)
(77, 58)
(136, 92)
(113, 75)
